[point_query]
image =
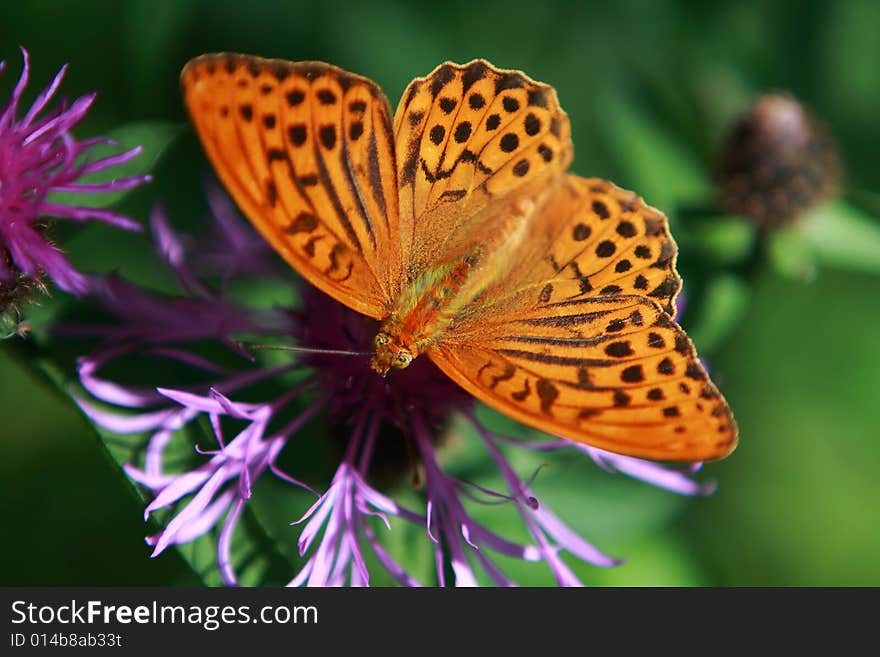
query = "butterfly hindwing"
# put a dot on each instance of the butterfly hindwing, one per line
(577, 337)
(610, 243)
(588, 237)
(306, 151)
(614, 372)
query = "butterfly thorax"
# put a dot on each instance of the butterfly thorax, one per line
(421, 314)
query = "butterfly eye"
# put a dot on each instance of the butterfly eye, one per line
(381, 339)
(403, 359)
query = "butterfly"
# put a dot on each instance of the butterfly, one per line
(455, 223)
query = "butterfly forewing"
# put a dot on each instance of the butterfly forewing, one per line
(469, 140)
(306, 151)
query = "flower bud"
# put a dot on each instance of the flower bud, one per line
(777, 162)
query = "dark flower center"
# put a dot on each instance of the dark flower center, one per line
(352, 387)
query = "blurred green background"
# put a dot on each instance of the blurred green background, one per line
(649, 87)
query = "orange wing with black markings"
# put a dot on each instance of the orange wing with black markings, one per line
(581, 341)
(471, 140)
(562, 312)
(306, 150)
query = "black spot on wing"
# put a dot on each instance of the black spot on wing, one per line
(532, 125)
(327, 135)
(539, 97)
(547, 393)
(438, 132)
(509, 142)
(476, 101)
(444, 75)
(510, 104)
(474, 72)
(667, 288)
(295, 97)
(297, 134)
(281, 71)
(581, 232)
(326, 97)
(305, 222)
(447, 105)
(509, 81)
(632, 374)
(620, 349)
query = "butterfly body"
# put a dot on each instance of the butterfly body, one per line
(454, 223)
(443, 294)
(420, 315)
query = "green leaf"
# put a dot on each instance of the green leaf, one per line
(655, 165)
(724, 241)
(843, 236)
(723, 306)
(154, 136)
(658, 561)
(151, 32)
(792, 254)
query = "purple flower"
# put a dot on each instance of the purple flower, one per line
(370, 419)
(38, 156)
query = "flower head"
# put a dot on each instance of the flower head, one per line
(380, 425)
(39, 156)
(777, 162)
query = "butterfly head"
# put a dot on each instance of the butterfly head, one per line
(389, 353)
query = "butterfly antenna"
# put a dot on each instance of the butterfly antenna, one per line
(303, 350)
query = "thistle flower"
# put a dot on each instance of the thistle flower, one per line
(777, 162)
(39, 156)
(328, 377)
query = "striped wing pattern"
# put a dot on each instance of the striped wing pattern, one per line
(306, 151)
(581, 341)
(615, 372)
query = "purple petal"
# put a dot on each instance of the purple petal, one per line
(571, 541)
(112, 160)
(45, 96)
(224, 558)
(125, 424)
(650, 472)
(207, 519)
(9, 113)
(83, 214)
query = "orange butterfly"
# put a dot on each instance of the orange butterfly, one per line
(546, 295)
